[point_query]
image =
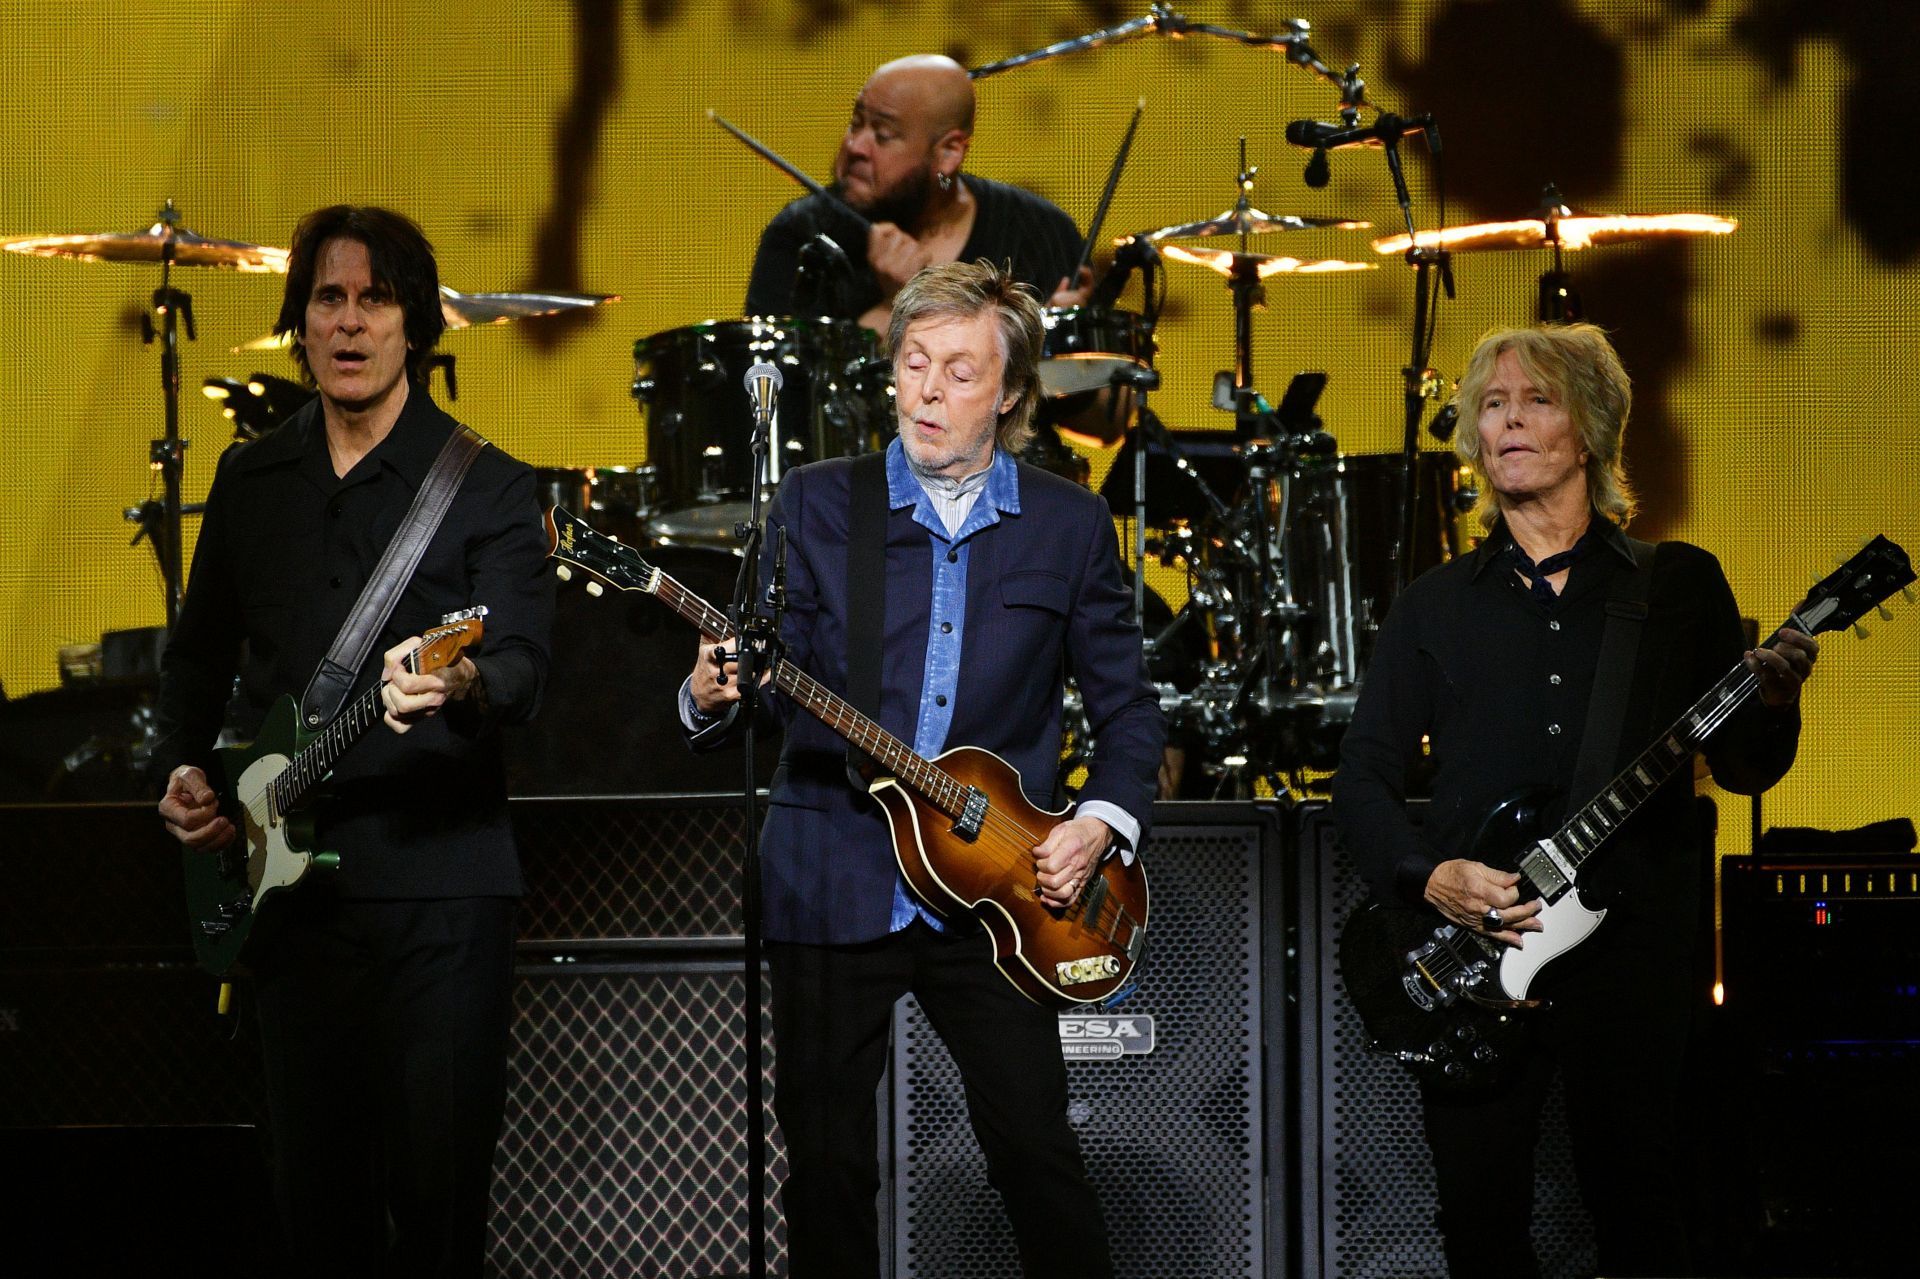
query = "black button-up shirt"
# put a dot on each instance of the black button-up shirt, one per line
(1498, 683)
(285, 547)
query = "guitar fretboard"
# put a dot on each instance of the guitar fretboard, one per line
(1618, 800)
(316, 759)
(926, 778)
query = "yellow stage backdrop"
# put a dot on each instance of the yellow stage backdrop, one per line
(547, 145)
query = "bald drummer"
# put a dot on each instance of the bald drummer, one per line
(899, 165)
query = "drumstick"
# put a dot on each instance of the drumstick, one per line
(779, 162)
(1106, 196)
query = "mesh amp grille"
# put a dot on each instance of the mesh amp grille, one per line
(1173, 1139)
(624, 1150)
(1375, 1196)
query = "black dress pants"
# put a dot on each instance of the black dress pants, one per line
(384, 1029)
(832, 1010)
(1617, 1033)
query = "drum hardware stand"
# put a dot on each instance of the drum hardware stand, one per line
(1559, 302)
(167, 455)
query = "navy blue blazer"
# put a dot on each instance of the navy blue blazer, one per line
(1045, 598)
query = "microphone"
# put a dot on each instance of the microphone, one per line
(763, 383)
(1320, 136)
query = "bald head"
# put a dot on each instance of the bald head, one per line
(906, 140)
(932, 92)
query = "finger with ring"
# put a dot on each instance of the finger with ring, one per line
(1492, 919)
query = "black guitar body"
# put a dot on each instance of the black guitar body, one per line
(1427, 991)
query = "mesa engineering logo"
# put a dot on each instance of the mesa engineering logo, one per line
(1084, 1036)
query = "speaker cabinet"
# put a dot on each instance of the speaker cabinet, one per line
(1187, 1143)
(624, 1147)
(1366, 1177)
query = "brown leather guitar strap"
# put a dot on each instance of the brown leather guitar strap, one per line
(335, 676)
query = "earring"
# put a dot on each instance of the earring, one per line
(946, 181)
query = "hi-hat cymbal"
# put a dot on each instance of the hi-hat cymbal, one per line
(1228, 263)
(1557, 224)
(1251, 221)
(161, 240)
(464, 310)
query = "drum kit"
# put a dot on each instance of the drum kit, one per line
(1291, 550)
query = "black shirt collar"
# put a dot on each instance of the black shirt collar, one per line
(408, 450)
(1499, 537)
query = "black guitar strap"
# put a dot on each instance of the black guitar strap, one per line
(866, 592)
(330, 683)
(1613, 677)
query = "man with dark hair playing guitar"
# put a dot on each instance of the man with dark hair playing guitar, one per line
(1493, 670)
(996, 580)
(383, 986)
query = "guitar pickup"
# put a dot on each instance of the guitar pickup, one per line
(1090, 904)
(973, 814)
(1546, 871)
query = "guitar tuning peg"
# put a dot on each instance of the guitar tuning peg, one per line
(1861, 631)
(1886, 614)
(595, 589)
(1906, 594)
(613, 537)
(562, 572)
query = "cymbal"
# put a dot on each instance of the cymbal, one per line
(1264, 264)
(1251, 221)
(1555, 223)
(161, 240)
(464, 310)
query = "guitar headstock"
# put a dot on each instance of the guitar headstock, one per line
(575, 545)
(1844, 596)
(442, 646)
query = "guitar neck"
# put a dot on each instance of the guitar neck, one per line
(1585, 831)
(317, 758)
(924, 777)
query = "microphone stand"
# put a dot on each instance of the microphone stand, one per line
(1414, 376)
(756, 641)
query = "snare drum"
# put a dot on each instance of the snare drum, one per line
(1086, 345)
(688, 383)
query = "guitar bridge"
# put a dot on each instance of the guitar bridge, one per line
(973, 814)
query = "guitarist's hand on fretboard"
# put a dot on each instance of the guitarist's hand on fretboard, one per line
(1472, 894)
(1784, 667)
(409, 698)
(1063, 860)
(191, 810)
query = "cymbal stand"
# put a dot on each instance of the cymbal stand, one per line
(168, 453)
(1559, 301)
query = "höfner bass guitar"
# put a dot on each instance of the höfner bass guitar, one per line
(963, 830)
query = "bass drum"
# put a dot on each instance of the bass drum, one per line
(689, 385)
(1340, 517)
